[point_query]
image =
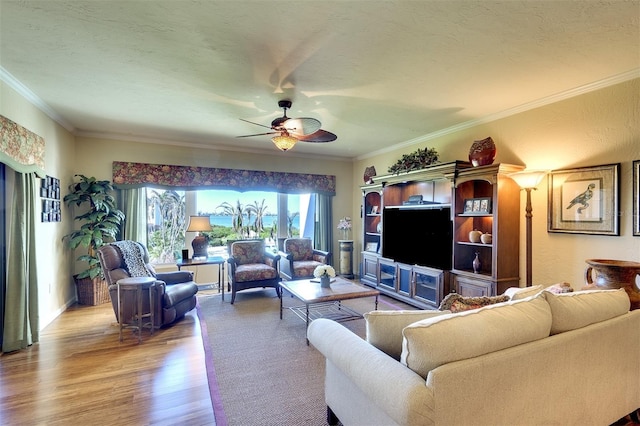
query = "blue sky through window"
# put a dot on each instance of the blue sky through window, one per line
(207, 201)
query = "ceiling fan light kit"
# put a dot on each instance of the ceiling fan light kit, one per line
(290, 131)
(284, 142)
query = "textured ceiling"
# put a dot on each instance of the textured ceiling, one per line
(376, 73)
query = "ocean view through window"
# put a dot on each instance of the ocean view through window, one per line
(233, 215)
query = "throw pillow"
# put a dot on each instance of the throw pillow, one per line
(559, 288)
(517, 293)
(384, 328)
(582, 308)
(456, 303)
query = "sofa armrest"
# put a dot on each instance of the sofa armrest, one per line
(272, 259)
(175, 277)
(375, 373)
(286, 264)
(284, 255)
(322, 256)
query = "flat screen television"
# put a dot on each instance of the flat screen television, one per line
(418, 235)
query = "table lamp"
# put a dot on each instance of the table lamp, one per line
(200, 243)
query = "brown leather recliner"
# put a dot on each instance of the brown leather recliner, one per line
(175, 291)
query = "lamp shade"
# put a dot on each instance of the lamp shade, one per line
(199, 224)
(200, 243)
(528, 178)
(284, 142)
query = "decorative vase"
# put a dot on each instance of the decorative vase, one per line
(483, 152)
(486, 238)
(614, 274)
(474, 236)
(325, 281)
(476, 263)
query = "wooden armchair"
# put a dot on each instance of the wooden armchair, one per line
(298, 259)
(251, 266)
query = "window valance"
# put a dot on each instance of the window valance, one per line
(131, 175)
(21, 149)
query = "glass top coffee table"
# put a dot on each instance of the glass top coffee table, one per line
(322, 302)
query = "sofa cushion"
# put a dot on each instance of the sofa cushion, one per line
(432, 342)
(456, 303)
(384, 328)
(517, 293)
(582, 308)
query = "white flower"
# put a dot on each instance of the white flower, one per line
(324, 271)
(344, 224)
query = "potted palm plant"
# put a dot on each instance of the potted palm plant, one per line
(100, 221)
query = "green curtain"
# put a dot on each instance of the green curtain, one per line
(21, 318)
(133, 203)
(323, 230)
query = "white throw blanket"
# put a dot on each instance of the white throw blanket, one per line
(133, 256)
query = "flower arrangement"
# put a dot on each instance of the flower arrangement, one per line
(345, 226)
(324, 271)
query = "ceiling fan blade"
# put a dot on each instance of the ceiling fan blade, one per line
(301, 126)
(258, 134)
(257, 124)
(319, 136)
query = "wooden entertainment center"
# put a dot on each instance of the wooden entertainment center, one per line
(415, 233)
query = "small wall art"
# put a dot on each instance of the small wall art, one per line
(585, 200)
(50, 194)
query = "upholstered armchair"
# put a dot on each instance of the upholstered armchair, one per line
(175, 291)
(298, 259)
(251, 266)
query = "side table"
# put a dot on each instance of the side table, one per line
(212, 260)
(135, 286)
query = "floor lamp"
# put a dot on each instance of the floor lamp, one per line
(200, 243)
(528, 180)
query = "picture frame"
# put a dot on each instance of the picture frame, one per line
(477, 206)
(371, 247)
(374, 209)
(584, 200)
(468, 205)
(636, 198)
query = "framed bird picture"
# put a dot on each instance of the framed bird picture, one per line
(585, 200)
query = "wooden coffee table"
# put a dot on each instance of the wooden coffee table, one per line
(326, 302)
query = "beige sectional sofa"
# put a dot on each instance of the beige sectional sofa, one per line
(546, 359)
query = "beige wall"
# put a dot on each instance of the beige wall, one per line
(597, 128)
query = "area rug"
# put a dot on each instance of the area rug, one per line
(263, 371)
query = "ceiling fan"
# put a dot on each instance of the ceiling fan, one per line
(290, 131)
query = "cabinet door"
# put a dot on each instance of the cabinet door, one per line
(369, 273)
(388, 274)
(428, 285)
(470, 287)
(404, 279)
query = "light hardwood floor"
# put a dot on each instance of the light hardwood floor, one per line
(79, 373)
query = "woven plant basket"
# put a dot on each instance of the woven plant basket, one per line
(92, 292)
